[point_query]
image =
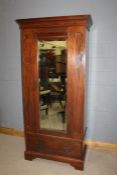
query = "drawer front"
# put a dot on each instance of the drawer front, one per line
(55, 145)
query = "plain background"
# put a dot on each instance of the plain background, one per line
(101, 103)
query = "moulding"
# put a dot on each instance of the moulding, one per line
(90, 143)
(11, 131)
(101, 145)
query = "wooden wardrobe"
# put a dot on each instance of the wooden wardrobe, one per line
(53, 81)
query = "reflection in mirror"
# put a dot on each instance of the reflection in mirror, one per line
(52, 84)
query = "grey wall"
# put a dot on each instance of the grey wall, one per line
(101, 106)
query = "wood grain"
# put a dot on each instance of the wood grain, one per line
(62, 146)
(104, 146)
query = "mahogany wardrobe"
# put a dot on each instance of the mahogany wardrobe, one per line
(54, 51)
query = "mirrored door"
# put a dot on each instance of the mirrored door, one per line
(52, 62)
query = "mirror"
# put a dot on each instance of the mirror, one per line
(52, 61)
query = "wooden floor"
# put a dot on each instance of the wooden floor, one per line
(12, 162)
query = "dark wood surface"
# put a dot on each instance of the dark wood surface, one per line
(60, 146)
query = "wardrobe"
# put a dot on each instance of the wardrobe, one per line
(54, 57)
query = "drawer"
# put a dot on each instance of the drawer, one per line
(55, 145)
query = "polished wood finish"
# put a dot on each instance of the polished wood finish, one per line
(91, 144)
(67, 146)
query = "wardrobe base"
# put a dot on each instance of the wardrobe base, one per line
(76, 163)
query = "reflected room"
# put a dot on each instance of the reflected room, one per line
(52, 62)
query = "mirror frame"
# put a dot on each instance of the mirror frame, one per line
(51, 35)
(49, 129)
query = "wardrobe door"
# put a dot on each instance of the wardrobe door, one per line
(52, 80)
